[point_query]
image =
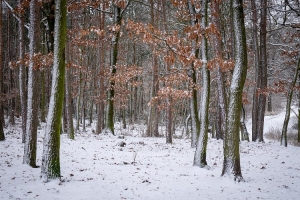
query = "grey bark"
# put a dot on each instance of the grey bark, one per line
(256, 65)
(231, 164)
(33, 87)
(192, 74)
(262, 72)
(152, 125)
(51, 152)
(200, 153)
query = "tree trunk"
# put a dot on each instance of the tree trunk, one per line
(152, 125)
(169, 117)
(244, 132)
(113, 61)
(2, 136)
(33, 87)
(262, 72)
(50, 161)
(192, 74)
(220, 77)
(69, 106)
(231, 164)
(256, 65)
(200, 153)
(283, 140)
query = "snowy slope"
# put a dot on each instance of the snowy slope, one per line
(94, 167)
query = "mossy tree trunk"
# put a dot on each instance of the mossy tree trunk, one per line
(231, 164)
(192, 74)
(50, 161)
(113, 61)
(33, 87)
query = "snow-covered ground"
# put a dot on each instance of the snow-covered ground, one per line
(94, 167)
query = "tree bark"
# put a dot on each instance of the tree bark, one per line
(33, 87)
(2, 136)
(220, 77)
(262, 72)
(283, 140)
(256, 65)
(50, 161)
(113, 62)
(192, 74)
(69, 106)
(200, 153)
(152, 125)
(231, 164)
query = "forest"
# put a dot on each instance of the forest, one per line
(204, 72)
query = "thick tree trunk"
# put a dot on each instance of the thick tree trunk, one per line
(33, 87)
(262, 72)
(50, 161)
(231, 164)
(283, 140)
(200, 153)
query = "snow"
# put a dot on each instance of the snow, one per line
(95, 167)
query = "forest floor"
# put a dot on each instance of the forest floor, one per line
(94, 167)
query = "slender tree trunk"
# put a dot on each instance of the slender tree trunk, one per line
(169, 116)
(78, 102)
(244, 132)
(2, 135)
(50, 161)
(113, 62)
(262, 73)
(283, 140)
(231, 164)
(69, 106)
(152, 125)
(33, 87)
(200, 153)
(1, 72)
(256, 65)
(192, 74)
(220, 77)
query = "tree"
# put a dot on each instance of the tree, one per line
(231, 163)
(50, 161)
(283, 140)
(118, 12)
(192, 75)
(33, 87)
(2, 136)
(220, 77)
(22, 74)
(152, 125)
(262, 72)
(200, 153)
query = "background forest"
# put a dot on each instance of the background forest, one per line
(181, 69)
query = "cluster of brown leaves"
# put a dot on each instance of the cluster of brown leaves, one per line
(39, 61)
(20, 9)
